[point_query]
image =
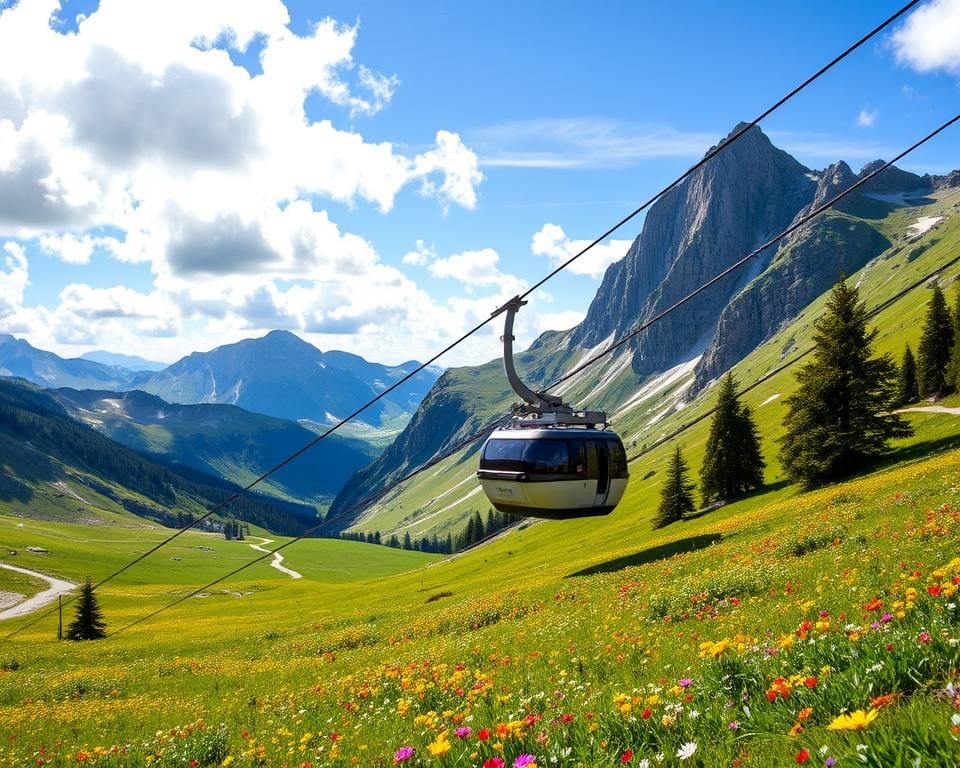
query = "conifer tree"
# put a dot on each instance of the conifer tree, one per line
(840, 414)
(88, 624)
(676, 496)
(407, 543)
(936, 343)
(907, 391)
(733, 463)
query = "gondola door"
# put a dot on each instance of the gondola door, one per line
(603, 472)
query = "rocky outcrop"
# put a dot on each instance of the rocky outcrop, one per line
(721, 212)
(831, 245)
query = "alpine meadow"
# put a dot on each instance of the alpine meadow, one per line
(479, 386)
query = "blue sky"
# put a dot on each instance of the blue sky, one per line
(573, 114)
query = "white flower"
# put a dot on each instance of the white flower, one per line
(955, 719)
(824, 749)
(693, 714)
(686, 751)
(645, 763)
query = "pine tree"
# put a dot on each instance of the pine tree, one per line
(407, 543)
(676, 496)
(936, 343)
(907, 391)
(840, 414)
(733, 463)
(88, 624)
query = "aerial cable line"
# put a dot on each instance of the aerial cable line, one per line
(719, 148)
(490, 428)
(709, 156)
(432, 462)
(641, 327)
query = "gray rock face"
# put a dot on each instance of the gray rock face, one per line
(952, 179)
(724, 210)
(831, 245)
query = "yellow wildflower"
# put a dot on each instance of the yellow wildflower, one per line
(854, 721)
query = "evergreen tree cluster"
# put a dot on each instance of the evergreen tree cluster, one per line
(475, 531)
(841, 415)
(234, 530)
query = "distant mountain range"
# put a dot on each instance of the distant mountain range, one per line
(277, 375)
(237, 410)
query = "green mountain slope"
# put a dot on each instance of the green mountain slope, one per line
(50, 464)
(222, 440)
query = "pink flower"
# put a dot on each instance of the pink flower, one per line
(404, 753)
(463, 732)
(524, 760)
(924, 637)
(685, 682)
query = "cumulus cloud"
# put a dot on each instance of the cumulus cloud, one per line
(13, 278)
(867, 117)
(929, 39)
(139, 124)
(421, 255)
(551, 241)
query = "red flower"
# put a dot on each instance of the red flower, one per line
(626, 757)
(483, 734)
(493, 762)
(934, 591)
(923, 637)
(802, 756)
(810, 682)
(646, 714)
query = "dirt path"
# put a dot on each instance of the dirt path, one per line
(277, 559)
(57, 587)
(932, 409)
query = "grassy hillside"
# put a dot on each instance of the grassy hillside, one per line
(578, 643)
(441, 499)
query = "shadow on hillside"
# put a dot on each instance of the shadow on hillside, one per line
(650, 555)
(919, 451)
(768, 488)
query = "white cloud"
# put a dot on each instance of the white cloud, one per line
(559, 321)
(584, 143)
(470, 267)
(421, 255)
(867, 117)
(77, 249)
(930, 38)
(13, 278)
(139, 123)
(551, 241)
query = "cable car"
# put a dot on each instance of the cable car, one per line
(551, 461)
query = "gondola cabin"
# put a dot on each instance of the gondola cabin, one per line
(554, 473)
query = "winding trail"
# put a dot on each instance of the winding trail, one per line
(57, 587)
(932, 409)
(277, 558)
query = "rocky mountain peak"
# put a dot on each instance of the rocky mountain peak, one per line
(720, 212)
